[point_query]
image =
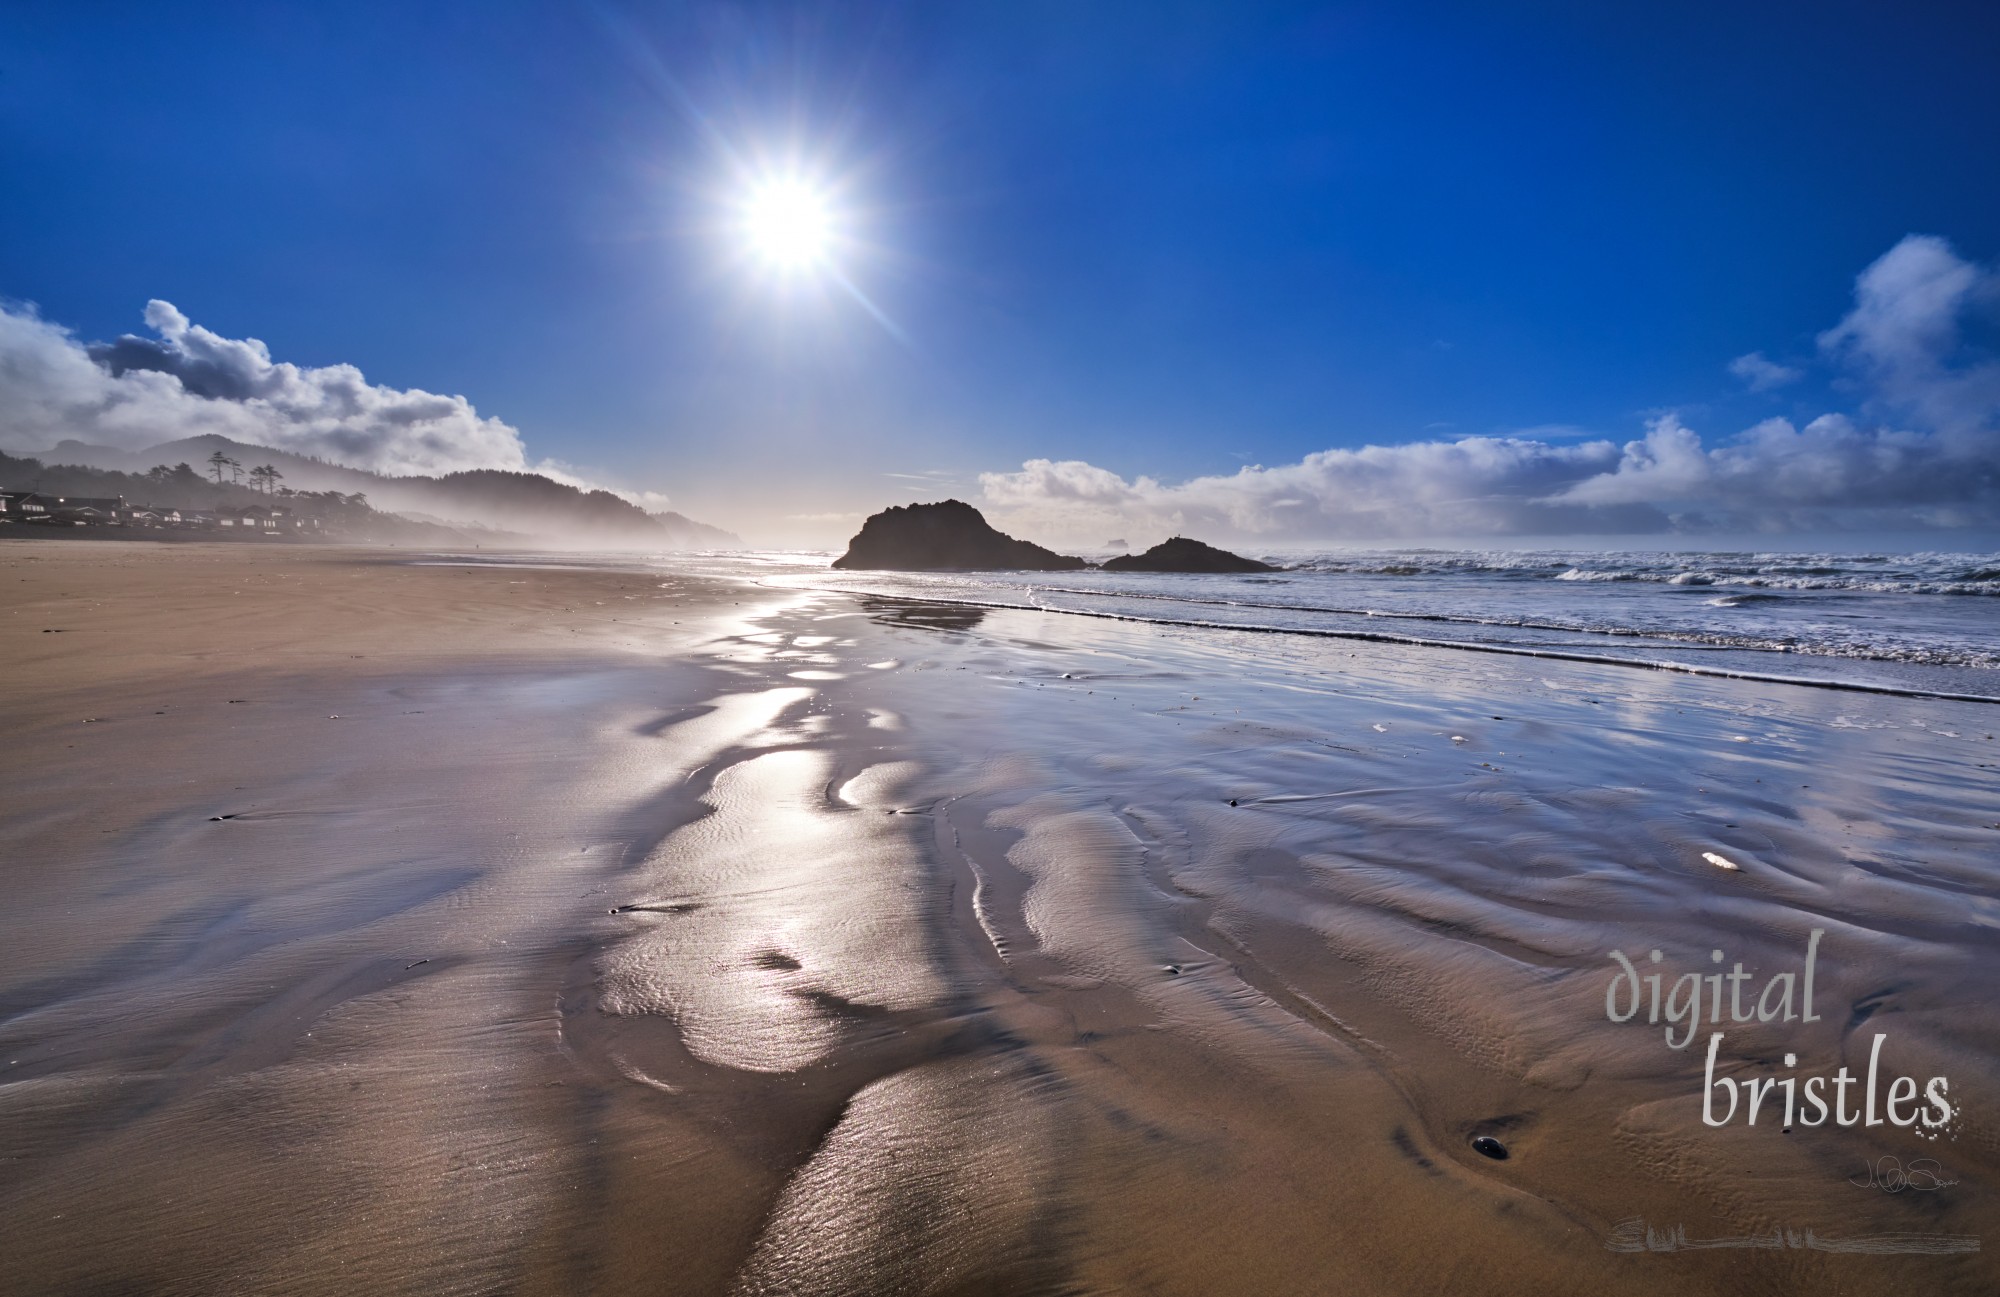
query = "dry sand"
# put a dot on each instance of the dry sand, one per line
(580, 929)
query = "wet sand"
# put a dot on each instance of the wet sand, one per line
(603, 931)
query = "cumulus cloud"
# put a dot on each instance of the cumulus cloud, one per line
(1475, 486)
(1762, 374)
(1921, 450)
(1904, 338)
(187, 380)
(1830, 464)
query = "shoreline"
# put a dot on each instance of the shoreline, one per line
(1510, 650)
(814, 945)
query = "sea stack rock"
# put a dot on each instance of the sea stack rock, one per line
(943, 536)
(1183, 555)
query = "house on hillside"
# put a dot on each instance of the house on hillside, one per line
(23, 506)
(264, 519)
(84, 516)
(90, 510)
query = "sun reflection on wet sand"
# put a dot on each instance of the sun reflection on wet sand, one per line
(800, 924)
(1111, 961)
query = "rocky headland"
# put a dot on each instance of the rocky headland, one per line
(1184, 555)
(945, 536)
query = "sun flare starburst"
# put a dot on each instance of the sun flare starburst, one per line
(789, 223)
(799, 235)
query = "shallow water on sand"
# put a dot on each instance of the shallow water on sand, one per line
(1909, 622)
(835, 945)
(1084, 956)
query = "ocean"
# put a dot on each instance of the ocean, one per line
(1917, 623)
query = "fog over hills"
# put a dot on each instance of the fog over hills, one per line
(187, 393)
(524, 503)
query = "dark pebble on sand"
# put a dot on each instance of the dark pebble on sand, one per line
(1487, 1146)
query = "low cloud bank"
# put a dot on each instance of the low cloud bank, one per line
(1920, 450)
(187, 380)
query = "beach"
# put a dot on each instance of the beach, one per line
(396, 922)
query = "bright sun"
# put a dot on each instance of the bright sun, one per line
(788, 223)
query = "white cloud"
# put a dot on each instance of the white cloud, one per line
(1923, 449)
(1475, 486)
(187, 381)
(1904, 338)
(1761, 374)
(1831, 464)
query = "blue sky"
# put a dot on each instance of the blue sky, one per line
(1159, 240)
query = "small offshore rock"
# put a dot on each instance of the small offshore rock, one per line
(1182, 554)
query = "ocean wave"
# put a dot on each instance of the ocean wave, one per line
(1913, 655)
(1942, 573)
(1860, 609)
(1797, 579)
(1744, 600)
(1175, 608)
